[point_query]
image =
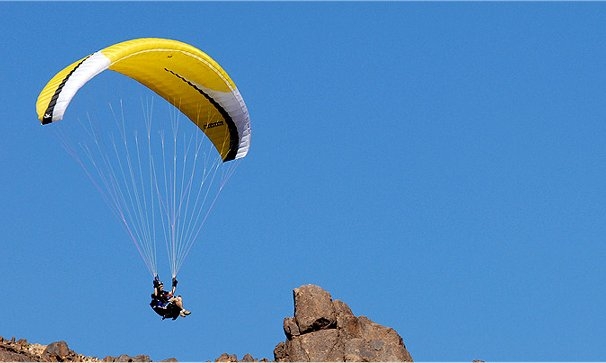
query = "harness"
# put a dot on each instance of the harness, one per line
(163, 307)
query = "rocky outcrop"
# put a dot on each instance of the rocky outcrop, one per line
(17, 350)
(21, 350)
(234, 358)
(137, 358)
(321, 330)
(326, 330)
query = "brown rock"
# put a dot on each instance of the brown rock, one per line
(234, 358)
(325, 330)
(347, 323)
(314, 309)
(227, 358)
(319, 346)
(128, 358)
(281, 353)
(58, 352)
(290, 327)
(247, 358)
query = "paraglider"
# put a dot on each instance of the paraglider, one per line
(159, 190)
(165, 303)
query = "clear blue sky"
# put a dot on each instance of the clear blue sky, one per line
(440, 167)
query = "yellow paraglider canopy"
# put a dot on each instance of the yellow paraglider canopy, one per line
(182, 74)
